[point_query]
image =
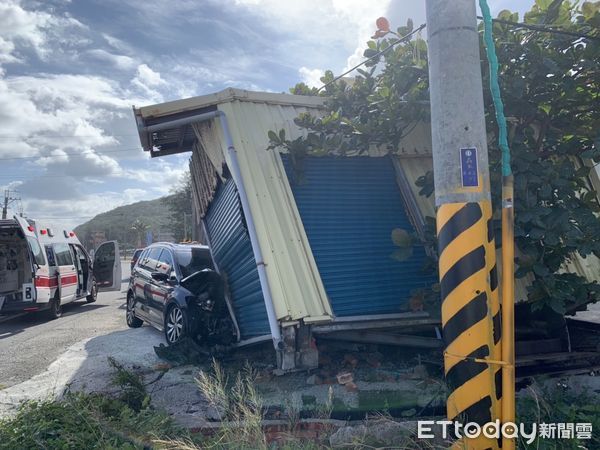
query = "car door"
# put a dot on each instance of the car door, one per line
(136, 284)
(107, 266)
(67, 273)
(166, 267)
(79, 269)
(37, 259)
(145, 290)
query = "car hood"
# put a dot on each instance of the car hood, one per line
(202, 280)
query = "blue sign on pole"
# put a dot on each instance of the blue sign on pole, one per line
(468, 165)
(149, 238)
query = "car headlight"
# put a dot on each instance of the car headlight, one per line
(205, 302)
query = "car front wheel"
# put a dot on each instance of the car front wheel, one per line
(175, 324)
(132, 320)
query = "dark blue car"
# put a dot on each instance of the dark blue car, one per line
(175, 288)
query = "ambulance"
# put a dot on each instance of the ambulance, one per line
(43, 268)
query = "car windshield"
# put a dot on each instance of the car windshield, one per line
(193, 260)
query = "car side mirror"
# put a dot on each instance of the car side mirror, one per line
(159, 276)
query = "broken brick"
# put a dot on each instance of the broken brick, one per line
(344, 377)
(163, 367)
(351, 387)
(351, 360)
(373, 361)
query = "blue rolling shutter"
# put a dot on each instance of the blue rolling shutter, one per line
(233, 254)
(349, 207)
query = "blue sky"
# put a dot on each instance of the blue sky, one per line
(71, 70)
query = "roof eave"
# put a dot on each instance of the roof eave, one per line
(164, 112)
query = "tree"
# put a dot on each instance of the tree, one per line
(140, 228)
(551, 90)
(180, 205)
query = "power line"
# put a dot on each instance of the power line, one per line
(85, 153)
(544, 28)
(27, 177)
(540, 28)
(401, 39)
(7, 136)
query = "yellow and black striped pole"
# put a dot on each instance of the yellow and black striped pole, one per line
(470, 315)
(468, 278)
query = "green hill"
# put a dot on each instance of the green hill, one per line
(116, 224)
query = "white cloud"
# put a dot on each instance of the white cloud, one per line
(148, 82)
(37, 30)
(122, 62)
(116, 43)
(148, 77)
(6, 51)
(312, 77)
(18, 24)
(324, 28)
(46, 112)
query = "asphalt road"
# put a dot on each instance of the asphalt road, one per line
(29, 343)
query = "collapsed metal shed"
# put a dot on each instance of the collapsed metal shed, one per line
(324, 242)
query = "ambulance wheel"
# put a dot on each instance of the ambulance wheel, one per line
(55, 310)
(132, 321)
(93, 293)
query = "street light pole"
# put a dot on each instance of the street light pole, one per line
(467, 266)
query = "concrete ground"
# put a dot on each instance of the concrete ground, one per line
(29, 343)
(41, 359)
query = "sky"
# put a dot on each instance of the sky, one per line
(70, 72)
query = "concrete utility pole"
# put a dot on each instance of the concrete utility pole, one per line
(469, 284)
(7, 201)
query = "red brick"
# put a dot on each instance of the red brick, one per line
(344, 377)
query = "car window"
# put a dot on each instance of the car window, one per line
(139, 262)
(165, 262)
(151, 258)
(81, 252)
(50, 255)
(193, 260)
(38, 253)
(63, 254)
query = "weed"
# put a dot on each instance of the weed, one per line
(558, 404)
(239, 405)
(90, 421)
(133, 390)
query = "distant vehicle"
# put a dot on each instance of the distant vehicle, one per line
(136, 254)
(43, 268)
(175, 288)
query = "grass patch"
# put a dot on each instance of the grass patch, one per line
(559, 404)
(84, 421)
(91, 421)
(127, 420)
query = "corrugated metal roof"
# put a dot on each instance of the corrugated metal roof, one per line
(294, 280)
(349, 207)
(186, 105)
(232, 252)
